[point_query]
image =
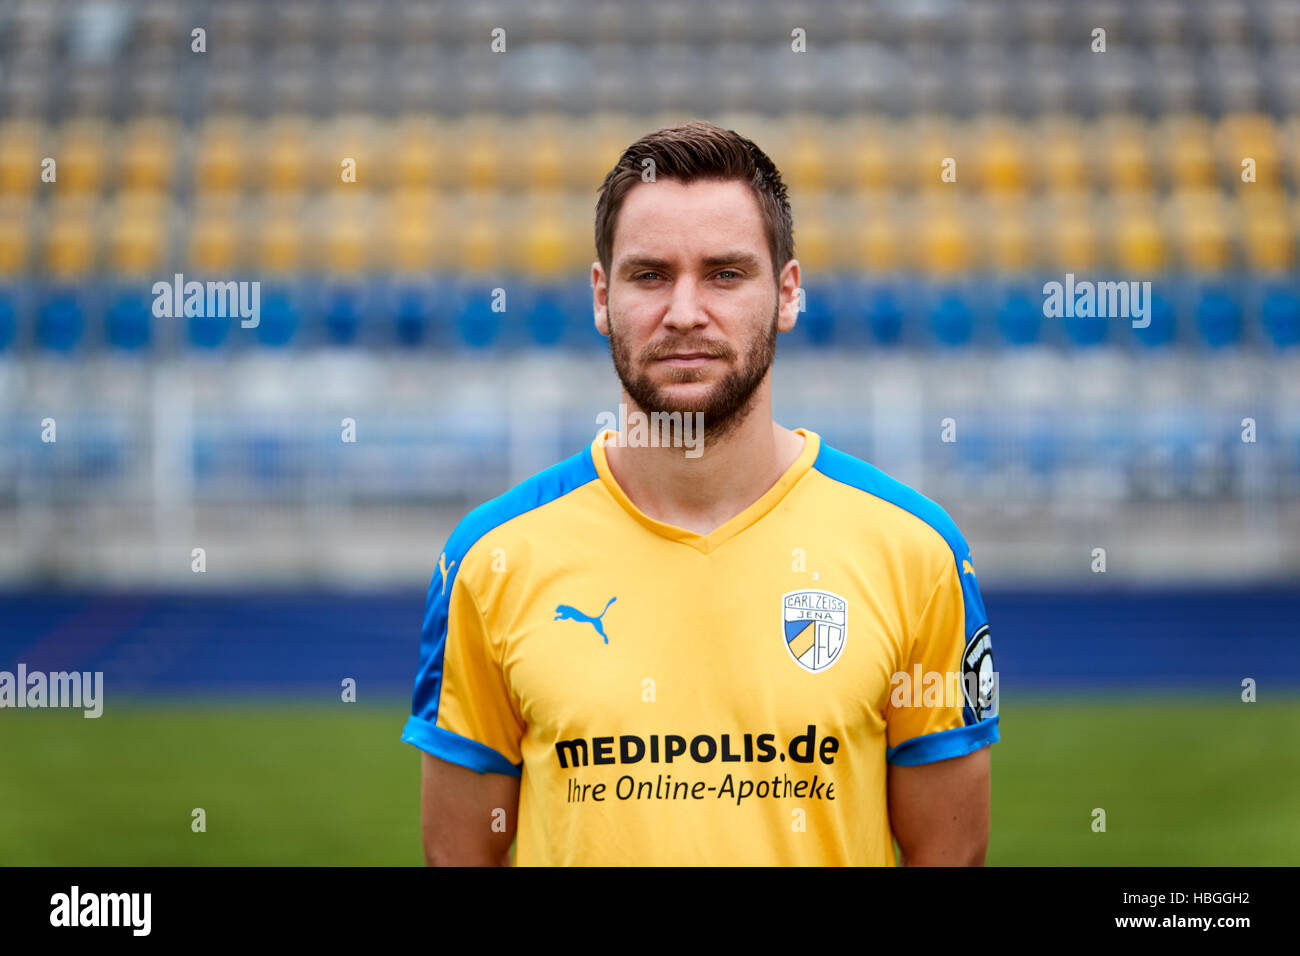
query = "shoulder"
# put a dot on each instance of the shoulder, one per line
(921, 521)
(542, 490)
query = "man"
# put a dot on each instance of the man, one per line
(767, 653)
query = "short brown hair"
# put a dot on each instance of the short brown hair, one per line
(693, 151)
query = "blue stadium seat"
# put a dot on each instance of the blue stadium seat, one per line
(8, 319)
(1280, 314)
(1163, 328)
(128, 323)
(1020, 316)
(580, 331)
(61, 320)
(545, 315)
(280, 317)
(477, 325)
(1086, 331)
(208, 331)
(412, 309)
(1218, 317)
(343, 311)
(819, 319)
(884, 315)
(951, 317)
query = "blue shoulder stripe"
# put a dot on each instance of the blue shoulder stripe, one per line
(856, 473)
(421, 729)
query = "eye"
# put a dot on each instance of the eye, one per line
(728, 274)
(646, 275)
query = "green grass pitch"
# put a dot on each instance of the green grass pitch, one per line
(1182, 781)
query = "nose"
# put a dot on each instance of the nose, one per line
(685, 310)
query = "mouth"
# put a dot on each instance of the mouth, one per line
(687, 359)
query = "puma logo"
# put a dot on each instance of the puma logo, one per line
(567, 613)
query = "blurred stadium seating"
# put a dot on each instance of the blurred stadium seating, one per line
(477, 171)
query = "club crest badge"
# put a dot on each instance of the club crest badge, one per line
(814, 625)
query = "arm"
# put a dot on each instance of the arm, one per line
(458, 808)
(939, 811)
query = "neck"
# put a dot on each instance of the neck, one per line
(703, 493)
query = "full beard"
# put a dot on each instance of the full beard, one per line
(727, 404)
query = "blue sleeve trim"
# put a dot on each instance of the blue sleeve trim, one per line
(539, 490)
(944, 745)
(456, 749)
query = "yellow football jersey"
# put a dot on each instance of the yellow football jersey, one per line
(732, 698)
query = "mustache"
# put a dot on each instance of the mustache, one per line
(661, 350)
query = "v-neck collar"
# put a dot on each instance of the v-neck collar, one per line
(706, 543)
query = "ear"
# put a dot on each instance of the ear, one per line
(600, 298)
(788, 296)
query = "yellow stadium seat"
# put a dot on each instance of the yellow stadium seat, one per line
(478, 154)
(21, 143)
(1199, 227)
(879, 246)
(224, 154)
(1074, 243)
(1000, 157)
(1290, 144)
(1138, 239)
(607, 136)
(71, 239)
(289, 152)
(931, 142)
(417, 153)
(1008, 245)
(82, 156)
(1059, 154)
(803, 164)
(478, 241)
(1250, 136)
(282, 235)
(1187, 151)
(838, 139)
(15, 236)
(873, 156)
(148, 149)
(943, 243)
(362, 141)
(1124, 153)
(538, 154)
(1267, 236)
(137, 235)
(539, 246)
(841, 218)
(345, 246)
(414, 231)
(217, 243)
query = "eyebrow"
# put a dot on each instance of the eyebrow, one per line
(744, 259)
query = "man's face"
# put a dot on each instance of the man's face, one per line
(691, 305)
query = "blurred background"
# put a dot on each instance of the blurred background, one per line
(478, 134)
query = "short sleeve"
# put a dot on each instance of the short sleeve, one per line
(944, 703)
(461, 710)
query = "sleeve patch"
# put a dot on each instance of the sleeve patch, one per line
(979, 679)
